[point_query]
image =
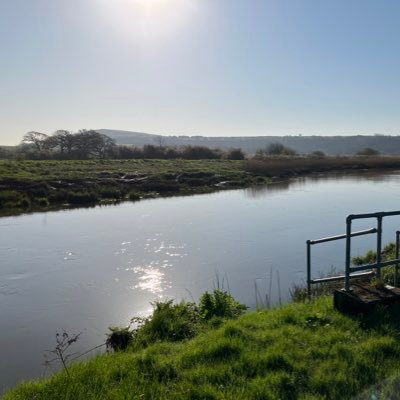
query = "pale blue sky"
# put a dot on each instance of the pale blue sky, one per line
(208, 67)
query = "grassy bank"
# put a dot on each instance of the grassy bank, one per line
(290, 166)
(33, 185)
(42, 185)
(299, 351)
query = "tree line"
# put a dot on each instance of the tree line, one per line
(90, 144)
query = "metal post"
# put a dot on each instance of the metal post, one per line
(348, 254)
(379, 247)
(309, 269)
(396, 267)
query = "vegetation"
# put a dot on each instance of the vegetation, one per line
(33, 185)
(290, 166)
(28, 185)
(275, 149)
(299, 351)
(90, 144)
(387, 273)
(175, 322)
(82, 145)
(302, 144)
(368, 151)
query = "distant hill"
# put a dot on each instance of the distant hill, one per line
(331, 145)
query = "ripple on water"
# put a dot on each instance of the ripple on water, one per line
(7, 290)
(151, 279)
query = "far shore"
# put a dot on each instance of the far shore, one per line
(28, 186)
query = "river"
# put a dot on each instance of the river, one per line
(83, 270)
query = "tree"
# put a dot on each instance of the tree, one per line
(151, 151)
(235, 154)
(318, 154)
(368, 151)
(62, 140)
(278, 149)
(37, 139)
(90, 143)
(159, 139)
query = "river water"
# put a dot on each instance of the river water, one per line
(83, 270)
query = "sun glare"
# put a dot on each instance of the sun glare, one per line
(146, 19)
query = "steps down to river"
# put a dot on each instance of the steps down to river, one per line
(364, 297)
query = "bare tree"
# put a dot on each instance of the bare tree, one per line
(37, 139)
(63, 140)
(160, 140)
(90, 143)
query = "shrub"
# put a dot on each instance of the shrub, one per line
(133, 196)
(174, 322)
(368, 151)
(220, 304)
(235, 154)
(81, 197)
(278, 149)
(171, 322)
(119, 338)
(318, 154)
(42, 202)
(13, 199)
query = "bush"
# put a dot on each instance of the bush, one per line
(278, 149)
(133, 196)
(170, 322)
(42, 202)
(81, 198)
(235, 154)
(119, 338)
(368, 151)
(318, 154)
(175, 322)
(13, 199)
(220, 304)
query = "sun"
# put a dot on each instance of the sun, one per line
(145, 19)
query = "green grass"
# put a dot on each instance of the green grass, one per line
(299, 351)
(43, 185)
(39, 171)
(297, 165)
(53, 184)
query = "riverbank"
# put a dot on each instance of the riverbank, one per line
(27, 186)
(40, 185)
(299, 351)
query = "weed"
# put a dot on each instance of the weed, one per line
(60, 352)
(119, 338)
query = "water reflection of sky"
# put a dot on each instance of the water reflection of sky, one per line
(301, 183)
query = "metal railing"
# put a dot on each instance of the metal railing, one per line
(352, 272)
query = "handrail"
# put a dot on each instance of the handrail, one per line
(343, 236)
(351, 272)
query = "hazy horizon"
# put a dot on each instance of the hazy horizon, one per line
(206, 136)
(191, 67)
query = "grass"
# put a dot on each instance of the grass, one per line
(289, 166)
(42, 185)
(32, 185)
(299, 351)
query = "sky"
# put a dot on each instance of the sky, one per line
(200, 67)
